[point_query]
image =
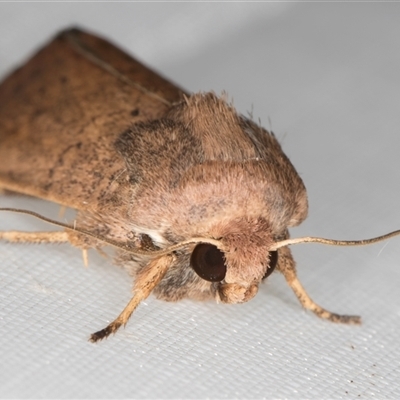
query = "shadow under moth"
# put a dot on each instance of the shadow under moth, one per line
(196, 198)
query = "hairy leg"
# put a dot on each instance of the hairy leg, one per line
(286, 265)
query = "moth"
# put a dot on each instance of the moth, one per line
(196, 198)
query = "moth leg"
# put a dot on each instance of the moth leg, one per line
(85, 257)
(146, 280)
(34, 237)
(286, 265)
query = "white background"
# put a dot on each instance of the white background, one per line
(325, 77)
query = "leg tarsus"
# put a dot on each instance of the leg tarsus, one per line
(146, 280)
(34, 237)
(309, 304)
(287, 267)
(100, 335)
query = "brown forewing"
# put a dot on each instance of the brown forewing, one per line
(61, 113)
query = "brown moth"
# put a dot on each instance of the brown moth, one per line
(197, 198)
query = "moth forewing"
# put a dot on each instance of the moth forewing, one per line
(195, 196)
(61, 113)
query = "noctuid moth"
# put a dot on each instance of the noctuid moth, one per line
(196, 198)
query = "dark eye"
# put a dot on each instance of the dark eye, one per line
(208, 262)
(273, 259)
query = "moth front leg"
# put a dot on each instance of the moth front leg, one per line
(34, 237)
(287, 266)
(41, 238)
(146, 280)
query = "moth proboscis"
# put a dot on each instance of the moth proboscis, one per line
(196, 198)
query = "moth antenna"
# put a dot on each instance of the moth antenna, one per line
(333, 242)
(118, 245)
(145, 282)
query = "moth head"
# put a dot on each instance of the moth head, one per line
(238, 261)
(210, 264)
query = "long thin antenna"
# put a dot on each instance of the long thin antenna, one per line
(217, 243)
(333, 242)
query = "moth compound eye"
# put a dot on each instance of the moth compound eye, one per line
(273, 259)
(208, 262)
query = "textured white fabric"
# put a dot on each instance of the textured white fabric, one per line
(326, 78)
